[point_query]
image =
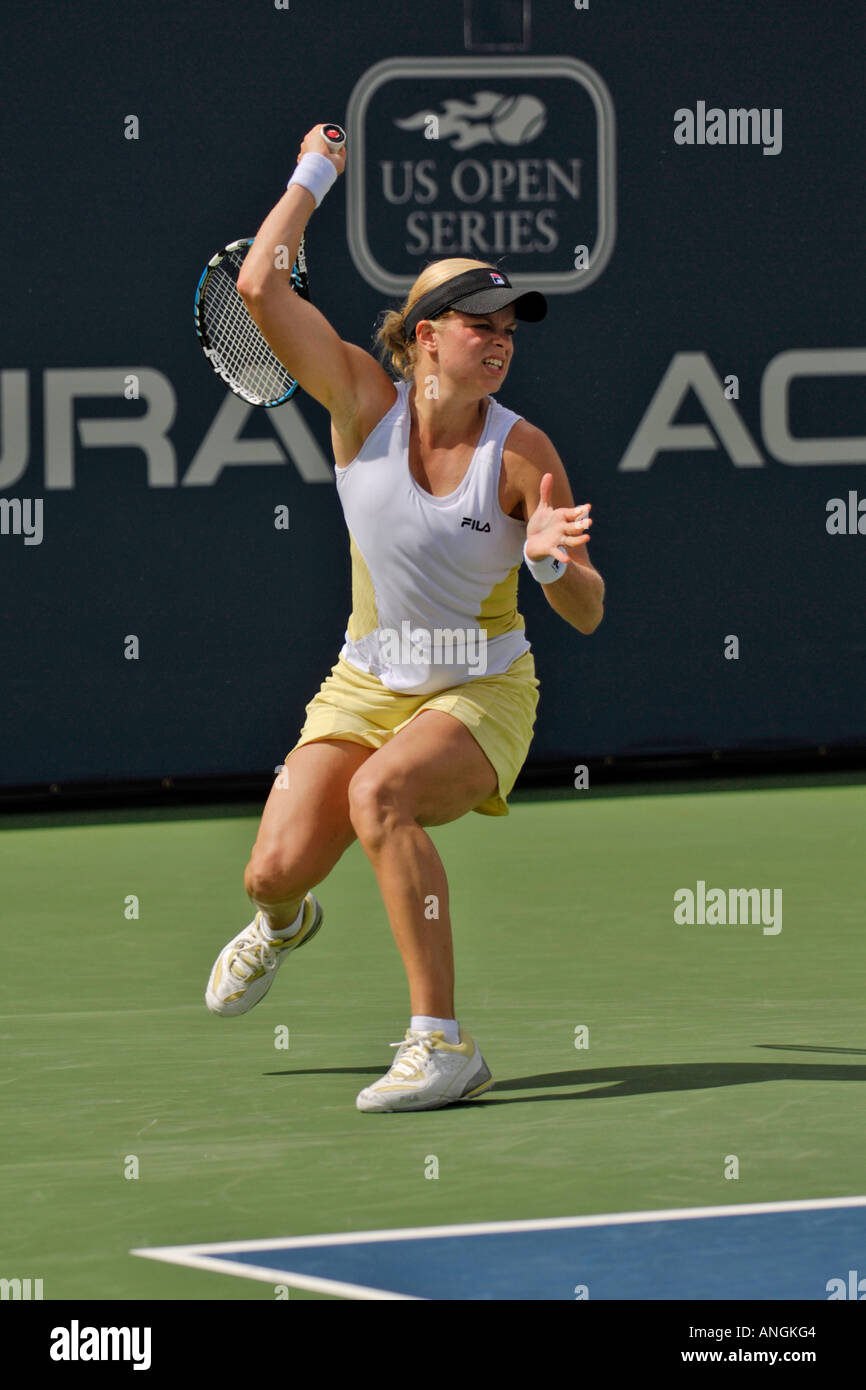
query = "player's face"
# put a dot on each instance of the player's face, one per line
(478, 346)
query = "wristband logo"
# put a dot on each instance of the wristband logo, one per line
(481, 157)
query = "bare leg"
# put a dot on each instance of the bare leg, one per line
(432, 772)
(305, 828)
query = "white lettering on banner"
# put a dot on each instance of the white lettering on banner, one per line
(462, 233)
(14, 410)
(420, 173)
(657, 432)
(221, 447)
(784, 369)
(473, 181)
(501, 174)
(146, 432)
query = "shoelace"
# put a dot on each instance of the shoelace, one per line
(418, 1048)
(256, 958)
(256, 954)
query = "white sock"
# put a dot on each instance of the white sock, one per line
(284, 932)
(423, 1023)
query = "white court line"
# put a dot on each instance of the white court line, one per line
(185, 1255)
(204, 1256)
(483, 1228)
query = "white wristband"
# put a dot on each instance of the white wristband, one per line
(546, 570)
(316, 173)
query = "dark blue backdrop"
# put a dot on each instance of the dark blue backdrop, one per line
(718, 250)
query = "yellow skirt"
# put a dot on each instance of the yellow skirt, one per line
(499, 712)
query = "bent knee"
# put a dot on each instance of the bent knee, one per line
(272, 877)
(373, 804)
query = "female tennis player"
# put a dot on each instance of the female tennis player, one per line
(430, 708)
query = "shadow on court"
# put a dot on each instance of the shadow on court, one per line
(691, 1076)
(332, 1071)
(641, 1080)
(805, 1047)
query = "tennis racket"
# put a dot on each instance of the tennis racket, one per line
(229, 338)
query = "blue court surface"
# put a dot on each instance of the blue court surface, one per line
(781, 1250)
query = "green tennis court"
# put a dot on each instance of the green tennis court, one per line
(639, 1063)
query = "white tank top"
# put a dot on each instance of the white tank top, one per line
(434, 579)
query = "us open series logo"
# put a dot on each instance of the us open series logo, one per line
(509, 158)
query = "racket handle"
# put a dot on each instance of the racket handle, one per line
(333, 135)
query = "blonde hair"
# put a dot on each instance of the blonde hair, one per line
(394, 347)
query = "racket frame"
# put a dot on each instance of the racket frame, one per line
(300, 286)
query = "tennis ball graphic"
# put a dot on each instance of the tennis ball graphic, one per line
(517, 120)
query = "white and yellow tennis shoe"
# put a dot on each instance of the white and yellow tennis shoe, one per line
(244, 969)
(428, 1073)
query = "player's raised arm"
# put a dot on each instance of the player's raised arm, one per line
(297, 332)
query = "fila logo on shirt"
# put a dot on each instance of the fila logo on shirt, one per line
(474, 525)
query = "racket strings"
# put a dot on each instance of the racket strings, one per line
(233, 336)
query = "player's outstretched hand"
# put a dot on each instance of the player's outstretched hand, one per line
(551, 529)
(313, 143)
